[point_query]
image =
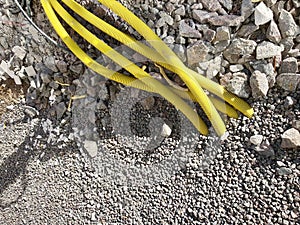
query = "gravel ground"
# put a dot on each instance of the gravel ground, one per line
(78, 149)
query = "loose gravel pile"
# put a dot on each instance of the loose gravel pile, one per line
(79, 149)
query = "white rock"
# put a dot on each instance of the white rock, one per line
(236, 68)
(30, 71)
(91, 147)
(262, 14)
(5, 67)
(290, 139)
(256, 139)
(19, 52)
(166, 131)
(259, 84)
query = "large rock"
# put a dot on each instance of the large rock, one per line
(239, 48)
(225, 20)
(262, 14)
(202, 16)
(238, 85)
(259, 84)
(287, 24)
(273, 33)
(91, 147)
(267, 49)
(288, 81)
(290, 139)
(197, 52)
(267, 68)
(187, 31)
(222, 34)
(289, 65)
(212, 5)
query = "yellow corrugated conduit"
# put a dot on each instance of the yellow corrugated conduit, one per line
(160, 54)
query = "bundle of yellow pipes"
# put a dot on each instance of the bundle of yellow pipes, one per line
(159, 53)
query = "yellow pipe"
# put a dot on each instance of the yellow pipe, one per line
(171, 57)
(146, 78)
(148, 52)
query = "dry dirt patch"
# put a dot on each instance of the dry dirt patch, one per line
(10, 93)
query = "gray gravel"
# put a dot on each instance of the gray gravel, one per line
(66, 160)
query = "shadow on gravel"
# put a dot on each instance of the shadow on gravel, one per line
(13, 170)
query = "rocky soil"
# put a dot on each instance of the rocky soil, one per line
(79, 149)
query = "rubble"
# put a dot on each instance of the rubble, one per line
(249, 46)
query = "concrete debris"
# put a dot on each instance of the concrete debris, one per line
(30, 71)
(5, 67)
